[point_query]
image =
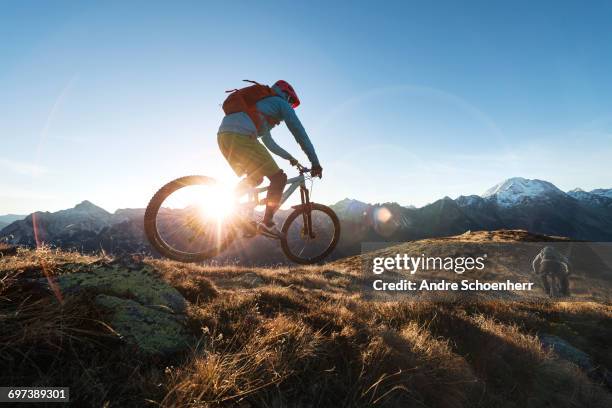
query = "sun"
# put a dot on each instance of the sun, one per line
(218, 201)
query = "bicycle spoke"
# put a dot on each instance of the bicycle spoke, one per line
(299, 242)
(302, 250)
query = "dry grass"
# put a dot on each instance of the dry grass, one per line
(7, 250)
(45, 342)
(299, 337)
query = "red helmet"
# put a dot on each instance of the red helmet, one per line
(293, 99)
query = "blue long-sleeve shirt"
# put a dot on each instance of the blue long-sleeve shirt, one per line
(278, 108)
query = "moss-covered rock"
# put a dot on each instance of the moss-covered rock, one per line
(140, 285)
(152, 330)
(142, 309)
(566, 351)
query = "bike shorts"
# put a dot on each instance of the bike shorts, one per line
(246, 155)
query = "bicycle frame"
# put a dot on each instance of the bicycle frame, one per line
(291, 186)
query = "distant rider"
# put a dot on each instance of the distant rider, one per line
(550, 262)
(251, 113)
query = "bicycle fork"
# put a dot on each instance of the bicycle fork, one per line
(307, 213)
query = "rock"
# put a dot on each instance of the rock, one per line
(152, 331)
(116, 280)
(566, 351)
(145, 311)
(331, 274)
(251, 279)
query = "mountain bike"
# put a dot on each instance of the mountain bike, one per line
(554, 277)
(559, 285)
(195, 225)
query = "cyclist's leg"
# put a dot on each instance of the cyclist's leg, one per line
(565, 287)
(545, 283)
(232, 146)
(261, 164)
(246, 155)
(544, 271)
(564, 280)
(246, 184)
(275, 192)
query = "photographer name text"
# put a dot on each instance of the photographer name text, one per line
(457, 264)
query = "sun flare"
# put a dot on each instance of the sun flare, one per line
(218, 202)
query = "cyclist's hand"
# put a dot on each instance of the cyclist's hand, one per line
(316, 171)
(293, 161)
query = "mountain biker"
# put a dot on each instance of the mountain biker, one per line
(550, 262)
(242, 126)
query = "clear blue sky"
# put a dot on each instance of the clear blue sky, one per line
(404, 102)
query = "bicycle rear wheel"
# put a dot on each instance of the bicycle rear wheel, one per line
(301, 248)
(189, 220)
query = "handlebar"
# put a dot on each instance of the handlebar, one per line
(302, 169)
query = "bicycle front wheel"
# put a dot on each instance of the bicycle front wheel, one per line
(189, 219)
(554, 286)
(303, 248)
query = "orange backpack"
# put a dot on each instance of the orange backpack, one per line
(244, 100)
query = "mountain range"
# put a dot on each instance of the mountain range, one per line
(517, 203)
(8, 219)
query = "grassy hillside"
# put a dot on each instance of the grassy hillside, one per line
(298, 337)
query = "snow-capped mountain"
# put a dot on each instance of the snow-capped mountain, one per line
(517, 190)
(605, 192)
(591, 199)
(580, 194)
